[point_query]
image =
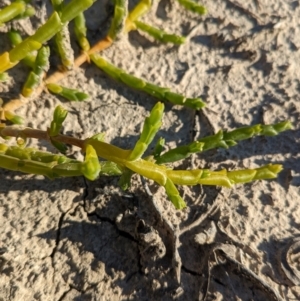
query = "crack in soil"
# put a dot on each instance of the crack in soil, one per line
(58, 235)
(62, 297)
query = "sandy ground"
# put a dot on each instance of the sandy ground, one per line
(72, 239)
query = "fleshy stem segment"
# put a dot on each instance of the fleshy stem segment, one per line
(138, 11)
(132, 23)
(62, 39)
(15, 39)
(161, 93)
(70, 94)
(158, 34)
(80, 32)
(17, 9)
(40, 67)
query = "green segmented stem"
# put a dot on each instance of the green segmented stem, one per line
(42, 61)
(42, 163)
(223, 177)
(30, 160)
(73, 8)
(35, 77)
(151, 125)
(70, 94)
(139, 10)
(32, 81)
(53, 25)
(269, 171)
(228, 178)
(59, 117)
(16, 39)
(227, 139)
(34, 42)
(275, 129)
(173, 194)
(193, 6)
(11, 11)
(62, 39)
(34, 154)
(118, 21)
(223, 139)
(159, 35)
(22, 160)
(180, 153)
(159, 92)
(80, 32)
(91, 167)
(63, 45)
(188, 177)
(26, 166)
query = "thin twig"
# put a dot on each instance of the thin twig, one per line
(13, 131)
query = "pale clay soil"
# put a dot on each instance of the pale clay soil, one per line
(71, 239)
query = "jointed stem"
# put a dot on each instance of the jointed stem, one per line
(162, 93)
(223, 139)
